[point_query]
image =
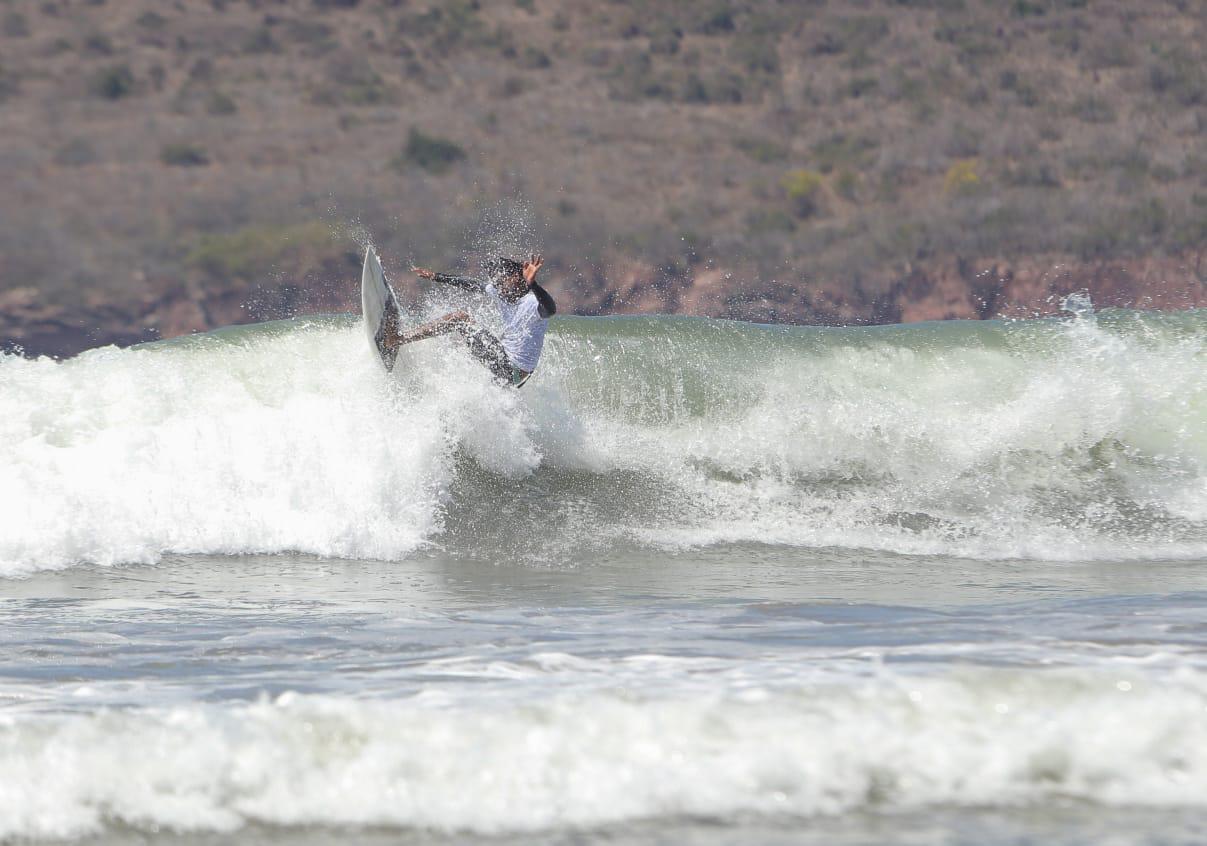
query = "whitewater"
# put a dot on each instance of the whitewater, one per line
(699, 581)
(1056, 439)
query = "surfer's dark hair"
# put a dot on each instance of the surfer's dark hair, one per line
(500, 267)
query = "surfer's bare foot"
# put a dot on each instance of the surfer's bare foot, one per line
(389, 332)
(423, 272)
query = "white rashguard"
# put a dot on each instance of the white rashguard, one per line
(523, 328)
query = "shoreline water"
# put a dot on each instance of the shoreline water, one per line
(707, 696)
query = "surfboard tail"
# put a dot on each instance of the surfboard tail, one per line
(379, 304)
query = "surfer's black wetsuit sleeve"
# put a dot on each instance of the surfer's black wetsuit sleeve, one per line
(545, 305)
(466, 282)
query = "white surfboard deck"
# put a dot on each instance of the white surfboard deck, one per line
(379, 305)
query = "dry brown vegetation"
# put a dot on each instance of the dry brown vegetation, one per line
(169, 166)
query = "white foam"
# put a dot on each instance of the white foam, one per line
(1046, 440)
(1041, 440)
(286, 440)
(989, 738)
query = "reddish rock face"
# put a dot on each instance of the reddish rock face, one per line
(1033, 288)
(706, 293)
(944, 293)
(942, 290)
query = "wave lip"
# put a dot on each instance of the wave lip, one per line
(989, 738)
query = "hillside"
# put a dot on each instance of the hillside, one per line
(171, 166)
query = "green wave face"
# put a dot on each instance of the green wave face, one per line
(1076, 438)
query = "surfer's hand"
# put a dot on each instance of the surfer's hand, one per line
(423, 272)
(531, 267)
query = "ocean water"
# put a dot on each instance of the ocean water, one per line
(698, 582)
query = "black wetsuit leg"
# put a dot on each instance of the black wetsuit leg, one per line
(488, 349)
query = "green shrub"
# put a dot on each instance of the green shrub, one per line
(350, 80)
(762, 150)
(316, 37)
(1023, 89)
(113, 83)
(1030, 174)
(890, 182)
(940, 5)
(1138, 228)
(218, 103)
(693, 89)
(429, 152)
(1164, 173)
(15, 25)
(860, 86)
(962, 142)
(717, 86)
(973, 43)
(713, 17)
(183, 154)
(767, 221)
(1094, 110)
(447, 25)
(1148, 220)
(907, 239)
(842, 150)
(534, 58)
(75, 153)
(259, 40)
(961, 177)
(846, 185)
(1099, 240)
(1177, 75)
(1028, 8)
(633, 78)
(1000, 230)
(665, 42)
(8, 84)
(803, 190)
(98, 44)
(151, 20)
(1066, 37)
(853, 34)
(1190, 231)
(505, 42)
(512, 86)
(755, 53)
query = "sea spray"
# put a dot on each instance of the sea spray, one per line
(1083, 437)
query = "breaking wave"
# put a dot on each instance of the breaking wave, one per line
(1072, 438)
(984, 738)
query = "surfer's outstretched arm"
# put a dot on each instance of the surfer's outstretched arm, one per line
(466, 282)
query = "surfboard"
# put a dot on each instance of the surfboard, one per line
(379, 305)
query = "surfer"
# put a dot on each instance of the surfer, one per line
(524, 305)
